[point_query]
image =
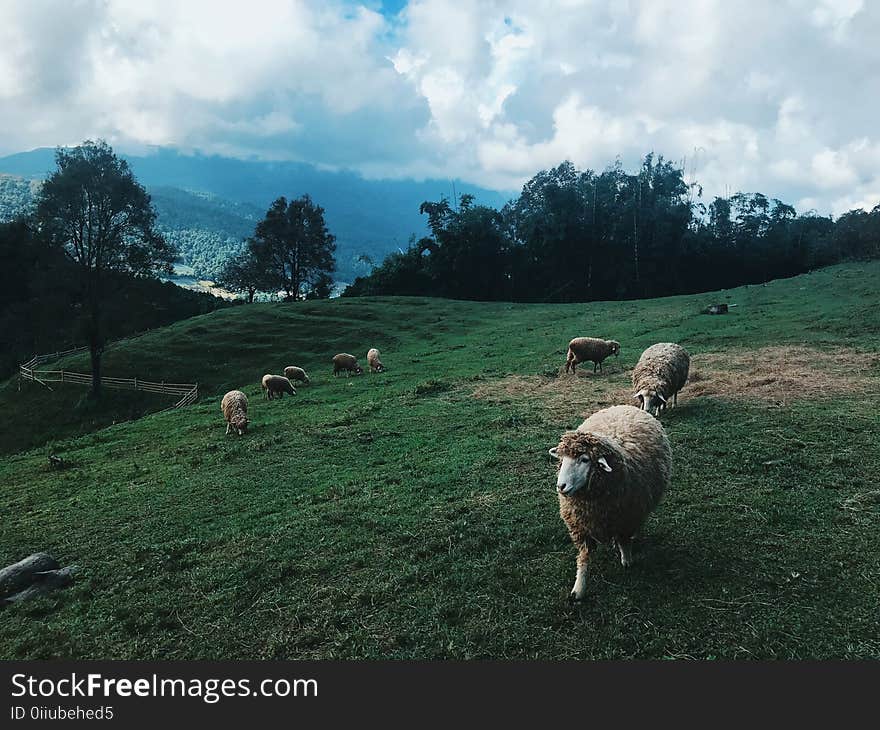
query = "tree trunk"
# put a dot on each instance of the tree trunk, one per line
(95, 339)
(95, 352)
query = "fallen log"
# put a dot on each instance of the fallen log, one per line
(36, 574)
(44, 582)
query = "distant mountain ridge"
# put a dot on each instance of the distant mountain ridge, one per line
(207, 204)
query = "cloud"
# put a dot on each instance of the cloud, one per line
(777, 97)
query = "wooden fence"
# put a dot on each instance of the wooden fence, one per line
(188, 392)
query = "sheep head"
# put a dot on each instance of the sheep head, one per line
(615, 347)
(240, 424)
(651, 400)
(583, 461)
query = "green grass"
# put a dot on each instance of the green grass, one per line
(397, 515)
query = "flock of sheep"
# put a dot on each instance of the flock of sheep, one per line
(235, 403)
(613, 470)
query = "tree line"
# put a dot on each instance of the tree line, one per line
(577, 235)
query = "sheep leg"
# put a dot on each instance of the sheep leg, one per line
(624, 545)
(579, 590)
(227, 428)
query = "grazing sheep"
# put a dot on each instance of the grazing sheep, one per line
(661, 372)
(345, 362)
(613, 472)
(291, 372)
(590, 349)
(375, 363)
(234, 406)
(276, 385)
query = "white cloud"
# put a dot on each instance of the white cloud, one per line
(776, 97)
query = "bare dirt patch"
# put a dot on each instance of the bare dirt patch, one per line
(776, 375)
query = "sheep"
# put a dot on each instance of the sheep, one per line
(375, 363)
(590, 349)
(291, 372)
(234, 406)
(661, 372)
(276, 385)
(612, 473)
(346, 362)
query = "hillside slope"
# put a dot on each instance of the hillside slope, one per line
(412, 513)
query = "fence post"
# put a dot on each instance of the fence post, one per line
(135, 383)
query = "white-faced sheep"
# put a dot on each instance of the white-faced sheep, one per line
(613, 472)
(374, 362)
(660, 373)
(590, 349)
(343, 362)
(276, 386)
(291, 372)
(234, 406)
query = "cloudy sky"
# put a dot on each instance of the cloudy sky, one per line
(781, 97)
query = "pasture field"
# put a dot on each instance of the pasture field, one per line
(412, 514)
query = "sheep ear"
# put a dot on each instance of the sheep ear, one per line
(554, 452)
(640, 396)
(604, 464)
(661, 398)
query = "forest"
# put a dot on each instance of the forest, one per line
(577, 235)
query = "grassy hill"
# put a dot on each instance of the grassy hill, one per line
(413, 514)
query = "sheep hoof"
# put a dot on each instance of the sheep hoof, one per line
(575, 597)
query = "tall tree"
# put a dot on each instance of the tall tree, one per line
(93, 208)
(295, 248)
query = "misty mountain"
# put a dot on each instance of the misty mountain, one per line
(207, 204)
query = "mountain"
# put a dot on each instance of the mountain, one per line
(207, 204)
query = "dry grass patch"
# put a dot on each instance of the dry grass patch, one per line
(780, 375)
(776, 375)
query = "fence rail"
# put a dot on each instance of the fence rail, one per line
(188, 392)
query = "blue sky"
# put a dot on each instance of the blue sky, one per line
(779, 97)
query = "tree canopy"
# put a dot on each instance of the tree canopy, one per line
(578, 235)
(292, 248)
